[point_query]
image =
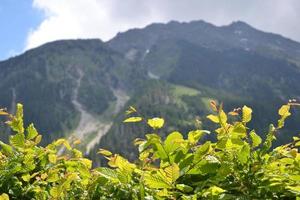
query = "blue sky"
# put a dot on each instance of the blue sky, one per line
(17, 18)
(26, 24)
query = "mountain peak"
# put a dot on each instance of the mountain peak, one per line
(239, 24)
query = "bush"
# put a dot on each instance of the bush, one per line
(238, 165)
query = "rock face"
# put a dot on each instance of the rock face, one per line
(81, 88)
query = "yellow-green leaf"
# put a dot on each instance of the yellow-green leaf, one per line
(244, 154)
(223, 117)
(133, 119)
(247, 114)
(26, 177)
(2, 112)
(284, 110)
(184, 188)
(104, 152)
(18, 140)
(52, 158)
(172, 172)
(256, 139)
(31, 132)
(4, 196)
(213, 118)
(156, 122)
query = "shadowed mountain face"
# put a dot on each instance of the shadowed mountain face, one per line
(81, 88)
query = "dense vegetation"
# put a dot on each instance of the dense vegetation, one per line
(239, 164)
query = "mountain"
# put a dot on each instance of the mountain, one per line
(62, 83)
(81, 88)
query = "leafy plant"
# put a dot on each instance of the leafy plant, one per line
(239, 164)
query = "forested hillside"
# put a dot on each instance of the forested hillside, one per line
(81, 88)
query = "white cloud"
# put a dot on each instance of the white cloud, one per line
(66, 19)
(72, 19)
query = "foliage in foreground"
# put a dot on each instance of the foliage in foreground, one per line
(238, 165)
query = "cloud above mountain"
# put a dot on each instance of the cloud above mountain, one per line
(72, 19)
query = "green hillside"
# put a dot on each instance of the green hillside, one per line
(81, 88)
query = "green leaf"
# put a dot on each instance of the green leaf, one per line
(16, 123)
(294, 189)
(38, 139)
(295, 177)
(53, 176)
(213, 191)
(18, 140)
(52, 158)
(247, 114)
(55, 192)
(223, 117)
(184, 188)
(244, 154)
(256, 139)
(26, 177)
(202, 150)
(108, 173)
(172, 172)
(156, 180)
(31, 132)
(156, 123)
(284, 112)
(213, 118)
(173, 141)
(195, 136)
(133, 119)
(104, 152)
(6, 149)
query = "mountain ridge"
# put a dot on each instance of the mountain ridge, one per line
(170, 70)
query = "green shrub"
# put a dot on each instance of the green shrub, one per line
(238, 165)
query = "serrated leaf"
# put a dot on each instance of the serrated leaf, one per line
(156, 180)
(31, 132)
(18, 140)
(133, 119)
(108, 173)
(172, 172)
